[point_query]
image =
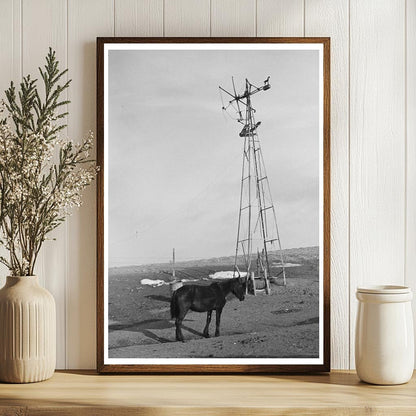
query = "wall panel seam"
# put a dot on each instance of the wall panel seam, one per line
(66, 222)
(304, 18)
(21, 39)
(349, 185)
(210, 18)
(405, 145)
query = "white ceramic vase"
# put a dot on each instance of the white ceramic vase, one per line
(27, 331)
(384, 341)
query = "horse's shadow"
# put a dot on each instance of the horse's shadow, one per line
(159, 297)
(146, 327)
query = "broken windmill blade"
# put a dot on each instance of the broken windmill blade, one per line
(257, 222)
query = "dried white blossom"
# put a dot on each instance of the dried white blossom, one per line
(42, 176)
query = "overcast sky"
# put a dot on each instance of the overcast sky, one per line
(175, 159)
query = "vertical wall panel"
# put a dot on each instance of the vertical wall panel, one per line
(280, 18)
(187, 17)
(377, 146)
(330, 18)
(44, 25)
(6, 45)
(138, 17)
(233, 18)
(411, 149)
(10, 65)
(87, 20)
(10, 43)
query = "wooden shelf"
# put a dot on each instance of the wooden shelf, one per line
(86, 393)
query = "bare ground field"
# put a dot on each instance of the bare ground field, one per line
(282, 325)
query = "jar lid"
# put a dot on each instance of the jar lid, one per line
(384, 289)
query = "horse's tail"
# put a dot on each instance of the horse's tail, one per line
(174, 305)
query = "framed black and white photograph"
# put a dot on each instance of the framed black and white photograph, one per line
(213, 205)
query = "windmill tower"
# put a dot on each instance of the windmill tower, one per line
(257, 223)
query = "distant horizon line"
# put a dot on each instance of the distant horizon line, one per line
(201, 258)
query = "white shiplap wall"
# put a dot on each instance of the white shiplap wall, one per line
(373, 129)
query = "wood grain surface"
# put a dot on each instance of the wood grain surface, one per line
(85, 19)
(51, 265)
(377, 148)
(330, 17)
(339, 393)
(410, 258)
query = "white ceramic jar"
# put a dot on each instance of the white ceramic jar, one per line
(384, 338)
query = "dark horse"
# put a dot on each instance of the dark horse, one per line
(204, 299)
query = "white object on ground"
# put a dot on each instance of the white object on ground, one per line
(286, 265)
(225, 275)
(150, 282)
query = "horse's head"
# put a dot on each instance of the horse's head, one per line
(239, 288)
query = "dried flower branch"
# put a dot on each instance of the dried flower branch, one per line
(37, 192)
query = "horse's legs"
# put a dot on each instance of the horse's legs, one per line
(178, 324)
(206, 329)
(217, 321)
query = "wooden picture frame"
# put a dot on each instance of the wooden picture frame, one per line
(248, 365)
